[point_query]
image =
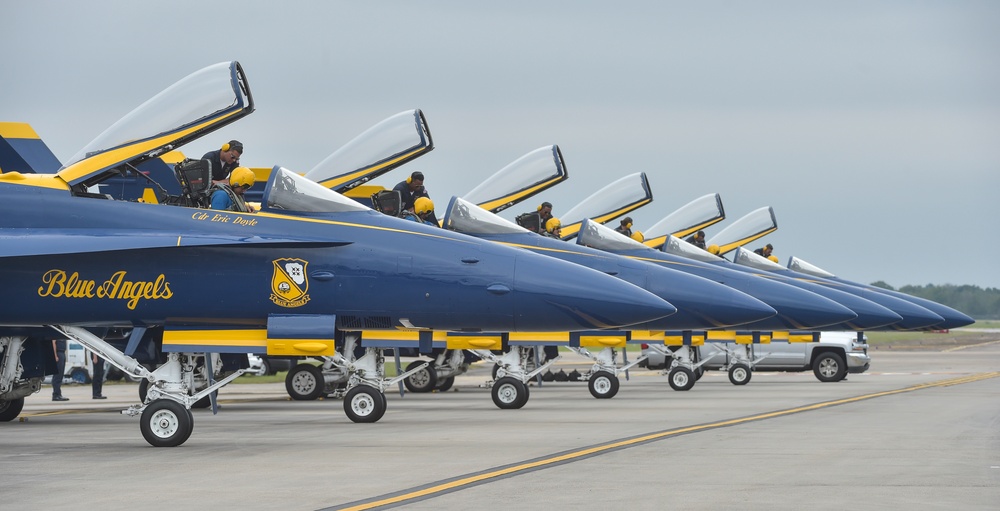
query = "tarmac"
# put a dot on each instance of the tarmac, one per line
(918, 430)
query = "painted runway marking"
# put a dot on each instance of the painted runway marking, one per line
(432, 490)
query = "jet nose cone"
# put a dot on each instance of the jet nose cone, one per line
(798, 308)
(704, 303)
(872, 315)
(914, 316)
(553, 295)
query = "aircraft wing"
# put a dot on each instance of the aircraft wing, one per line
(25, 242)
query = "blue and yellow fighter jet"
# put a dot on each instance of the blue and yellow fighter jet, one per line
(286, 280)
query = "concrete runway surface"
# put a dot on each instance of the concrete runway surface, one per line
(920, 430)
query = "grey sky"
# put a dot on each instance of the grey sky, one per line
(870, 127)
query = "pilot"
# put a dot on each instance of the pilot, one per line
(229, 196)
(697, 239)
(638, 236)
(423, 211)
(625, 227)
(553, 228)
(224, 160)
(764, 251)
(543, 213)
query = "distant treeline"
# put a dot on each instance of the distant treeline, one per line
(973, 300)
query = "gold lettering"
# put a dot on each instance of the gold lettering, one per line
(56, 283)
(199, 216)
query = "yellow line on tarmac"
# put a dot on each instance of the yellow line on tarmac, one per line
(460, 482)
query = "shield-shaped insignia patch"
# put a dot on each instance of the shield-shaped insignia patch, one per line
(289, 284)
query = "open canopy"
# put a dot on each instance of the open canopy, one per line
(199, 104)
(754, 225)
(522, 178)
(688, 219)
(614, 200)
(381, 148)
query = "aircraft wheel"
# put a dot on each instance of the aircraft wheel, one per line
(509, 393)
(205, 402)
(445, 384)
(9, 410)
(603, 385)
(423, 380)
(829, 367)
(681, 378)
(166, 423)
(364, 404)
(305, 382)
(739, 374)
(143, 390)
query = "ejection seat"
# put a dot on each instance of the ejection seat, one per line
(388, 202)
(530, 221)
(195, 178)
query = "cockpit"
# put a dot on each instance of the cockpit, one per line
(291, 192)
(593, 234)
(465, 217)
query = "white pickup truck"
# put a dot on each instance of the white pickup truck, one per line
(831, 359)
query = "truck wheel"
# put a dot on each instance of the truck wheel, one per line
(79, 375)
(739, 374)
(829, 367)
(681, 378)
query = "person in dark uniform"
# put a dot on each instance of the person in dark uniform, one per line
(697, 239)
(225, 159)
(764, 251)
(97, 383)
(59, 349)
(625, 227)
(410, 190)
(535, 221)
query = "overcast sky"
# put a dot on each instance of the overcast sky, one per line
(872, 128)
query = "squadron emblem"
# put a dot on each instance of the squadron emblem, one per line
(289, 285)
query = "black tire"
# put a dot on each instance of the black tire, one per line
(603, 385)
(305, 382)
(166, 423)
(9, 410)
(829, 367)
(364, 404)
(496, 367)
(205, 402)
(79, 375)
(143, 390)
(698, 373)
(445, 384)
(423, 380)
(112, 373)
(509, 393)
(681, 378)
(739, 374)
(265, 367)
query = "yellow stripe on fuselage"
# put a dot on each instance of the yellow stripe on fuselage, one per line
(39, 180)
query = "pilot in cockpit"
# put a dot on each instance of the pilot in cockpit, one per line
(229, 196)
(423, 211)
(553, 228)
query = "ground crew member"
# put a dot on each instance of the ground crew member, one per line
(225, 159)
(625, 227)
(697, 239)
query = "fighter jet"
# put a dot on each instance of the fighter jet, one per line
(287, 280)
